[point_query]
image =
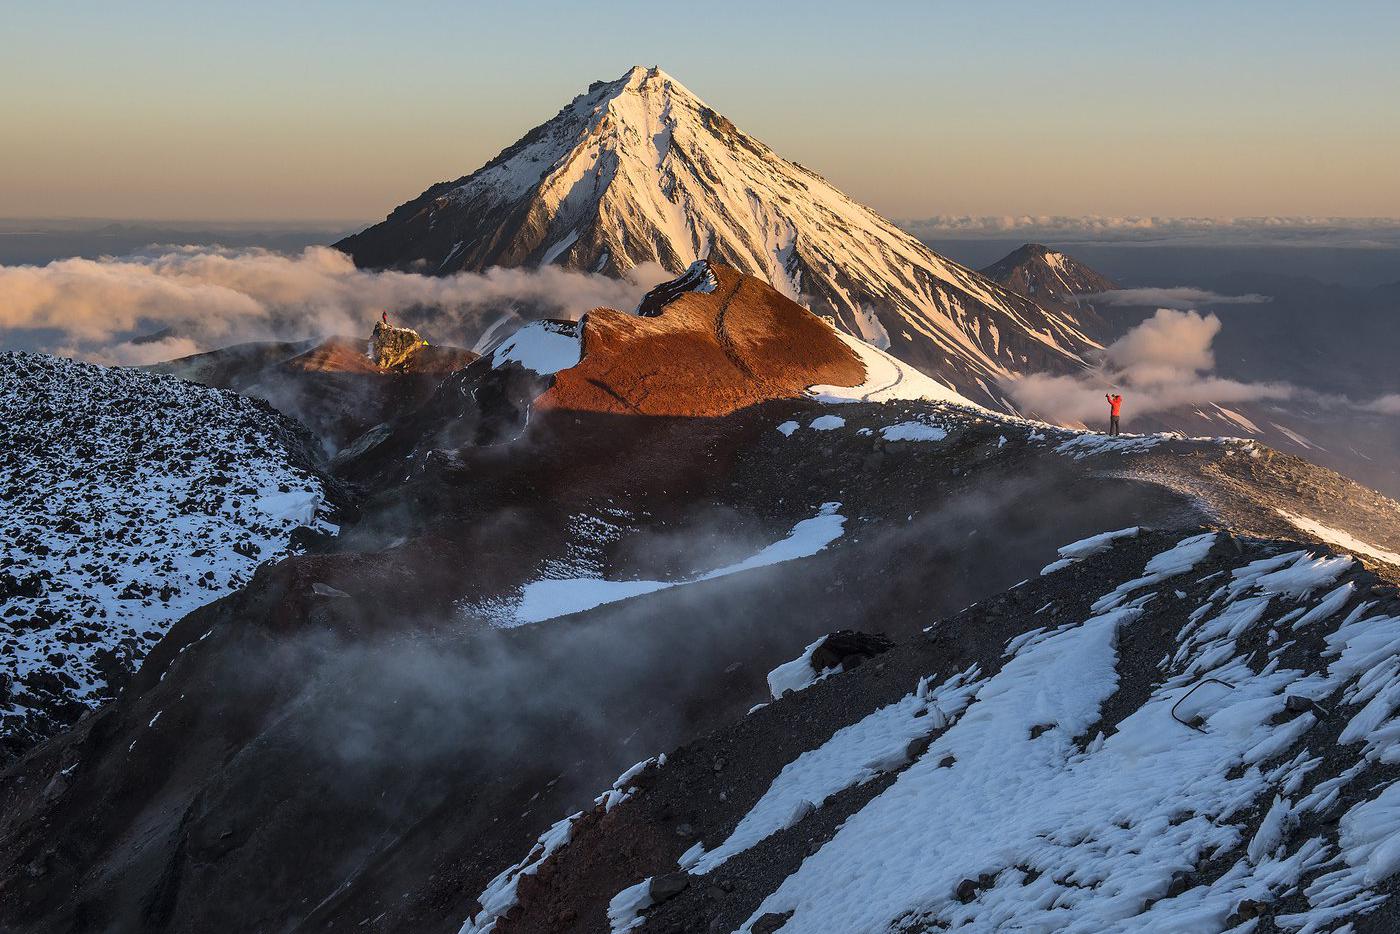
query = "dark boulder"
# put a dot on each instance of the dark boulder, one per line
(847, 648)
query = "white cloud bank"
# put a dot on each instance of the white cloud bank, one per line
(1161, 364)
(1388, 404)
(208, 297)
(1359, 232)
(1180, 297)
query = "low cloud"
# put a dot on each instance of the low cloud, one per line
(207, 297)
(134, 353)
(1353, 232)
(1180, 297)
(1388, 404)
(1161, 364)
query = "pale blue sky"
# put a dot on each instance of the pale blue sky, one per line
(262, 110)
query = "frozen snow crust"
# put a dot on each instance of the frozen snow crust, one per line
(126, 500)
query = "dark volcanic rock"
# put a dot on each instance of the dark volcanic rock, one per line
(848, 648)
(353, 735)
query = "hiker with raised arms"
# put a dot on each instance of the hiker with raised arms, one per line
(1115, 405)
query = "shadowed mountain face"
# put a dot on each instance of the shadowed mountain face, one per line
(639, 170)
(541, 588)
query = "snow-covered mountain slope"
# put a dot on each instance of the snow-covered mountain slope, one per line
(640, 170)
(1175, 732)
(359, 741)
(126, 500)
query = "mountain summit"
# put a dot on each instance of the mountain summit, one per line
(1056, 282)
(1043, 274)
(640, 170)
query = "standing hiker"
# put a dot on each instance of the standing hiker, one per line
(1115, 405)
(384, 318)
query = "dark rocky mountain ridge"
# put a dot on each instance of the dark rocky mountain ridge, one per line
(528, 598)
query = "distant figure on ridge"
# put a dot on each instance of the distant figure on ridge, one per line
(1115, 405)
(384, 318)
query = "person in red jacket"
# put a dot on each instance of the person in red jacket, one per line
(1115, 405)
(384, 317)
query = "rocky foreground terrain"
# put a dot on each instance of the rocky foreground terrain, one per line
(128, 500)
(567, 668)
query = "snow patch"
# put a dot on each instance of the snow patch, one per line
(549, 598)
(1087, 548)
(544, 347)
(1089, 444)
(913, 431)
(1339, 538)
(844, 760)
(886, 379)
(796, 674)
(501, 893)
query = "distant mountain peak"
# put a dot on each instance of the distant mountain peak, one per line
(1042, 273)
(640, 170)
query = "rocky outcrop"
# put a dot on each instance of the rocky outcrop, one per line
(847, 649)
(391, 347)
(698, 277)
(335, 387)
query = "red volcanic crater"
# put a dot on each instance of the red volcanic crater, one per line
(705, 354)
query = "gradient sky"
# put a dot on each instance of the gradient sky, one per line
(319, 110)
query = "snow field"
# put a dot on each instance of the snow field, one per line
(1088, 835)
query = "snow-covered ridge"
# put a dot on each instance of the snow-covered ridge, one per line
(1093, 838)
(1249, 775)
(126, 501)
(886, 380)
(641, 170)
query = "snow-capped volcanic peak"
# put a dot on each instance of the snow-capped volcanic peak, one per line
(641, 170)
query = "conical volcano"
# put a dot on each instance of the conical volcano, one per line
(640, 170)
